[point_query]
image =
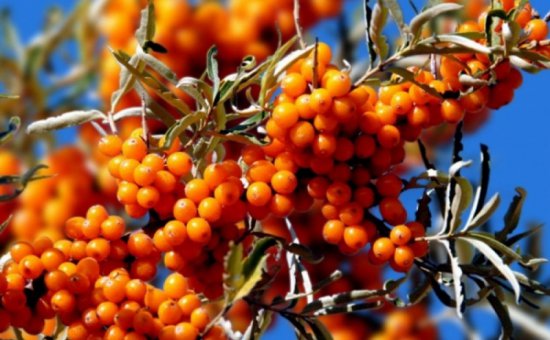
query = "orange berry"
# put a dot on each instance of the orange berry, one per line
(369, 122)
(165, 182)
(281, 205)
(258, 194)
(63, 301)
(293, 84)
(31, 267)
(333, 231)
(144, 175)
(285, 115)
(392, 210)
(134, 148)
(252, 153)
(169, 313)
(399, 324)
(389, 185)
(179, 163)
(197, 190)
(175, 233)
(320, 101)
(536, 29)
(307, 67)
(401, 103)
(302, 134)
(153, 161)
(127, 193)
(452, 111)
(140, 244)
(351, 213)
(210, 209)
(113, 228)
(184, 210)
(199, 230)
(304, 108)
(52, 258)
(338, 84)
(389, 136)
(186, 331)
(284, 182)
(365, 146)
(355, 237)
(403, 256)
(175, 285)
(338, 193)
(200, 318)
(110, 145)
(228, 193)
(148, 197)
(383, 249)
(127, 168)
(400, 235)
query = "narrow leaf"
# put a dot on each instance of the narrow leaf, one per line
(64, 120)
(429, 14)
(458, 285)
(511, 218)
(486, 212)
(146, 30)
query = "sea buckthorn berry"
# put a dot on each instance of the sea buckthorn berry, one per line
(285, 115)
(317, 187)
(199, 230)
(364, 196)
(90, 229)
(258, 194)
(281, 205)
(134, 148)
(88, 267)
(135, 210)
(188, 303)
(169, 313)
(320, 101)
(228, 193)
(333, 231)
(140, 244)
(324, 144)
(165, 182)
(13, 281)
(197, 190)
(452, 111)
(389, 136)
(148, 197)
(135, 290)
(284, 182)
(536, 29)
(400, 235)
(403, 256)
(98, 248)
(127, 168)
(114, 164)
(176, 285)
(186, 331)
(153, 161)
(338, 193)
(365, 146)
(179, 163)
(355, 237)
(252, 153)
(19, 250)
(307, 68)
(110, 145)
(31, 267)
(78, 284)
(286, 161)
(216, 173)
(63, 301)
(199, 318)
(338, 84)
(392, 211)
(324, 53)
(56, 280)
(113, 228)
(304, 108)
(175, 233)
(351, 213)
(293, 84)
(184, 210)
(389, 185)
(127, 193)
(385, 93)
(385, 114)
(383, 249)
(401, 103)
(51, 259)
(302, 134)
(369, 122)
(321, 165)
(144, 175)
(210, 209)
(325, 123)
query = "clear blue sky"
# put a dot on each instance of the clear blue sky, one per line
(517, 135)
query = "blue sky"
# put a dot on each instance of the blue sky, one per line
(517, 135)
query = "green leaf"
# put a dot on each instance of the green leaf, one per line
(458, 285)
(287, 61)
(458, 40)
(193, 87)
(241, 137)
(212, 69)
(511, 218)
(376, 26)
(409, 76)
(268, 79)
(496, 260)
(484, 214)
(64, 120)
(159, 67)
(233, 266)
(13, 126)
(397, 15)
(491, 24)
(255, 257)
(252, 279)
(429, 14)
(177, 130)
(146, 30)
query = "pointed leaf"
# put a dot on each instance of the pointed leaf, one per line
(511, 218)
(502, 312)
(429, 14)
(485, 214)
(459, 41)
(64, 120)
(146, 30)
(495, 259)
(397, 15)
(458, 285)
(212, 69)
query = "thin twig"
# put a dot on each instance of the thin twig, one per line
(143, 119)
(371, 72)
(297, 24)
